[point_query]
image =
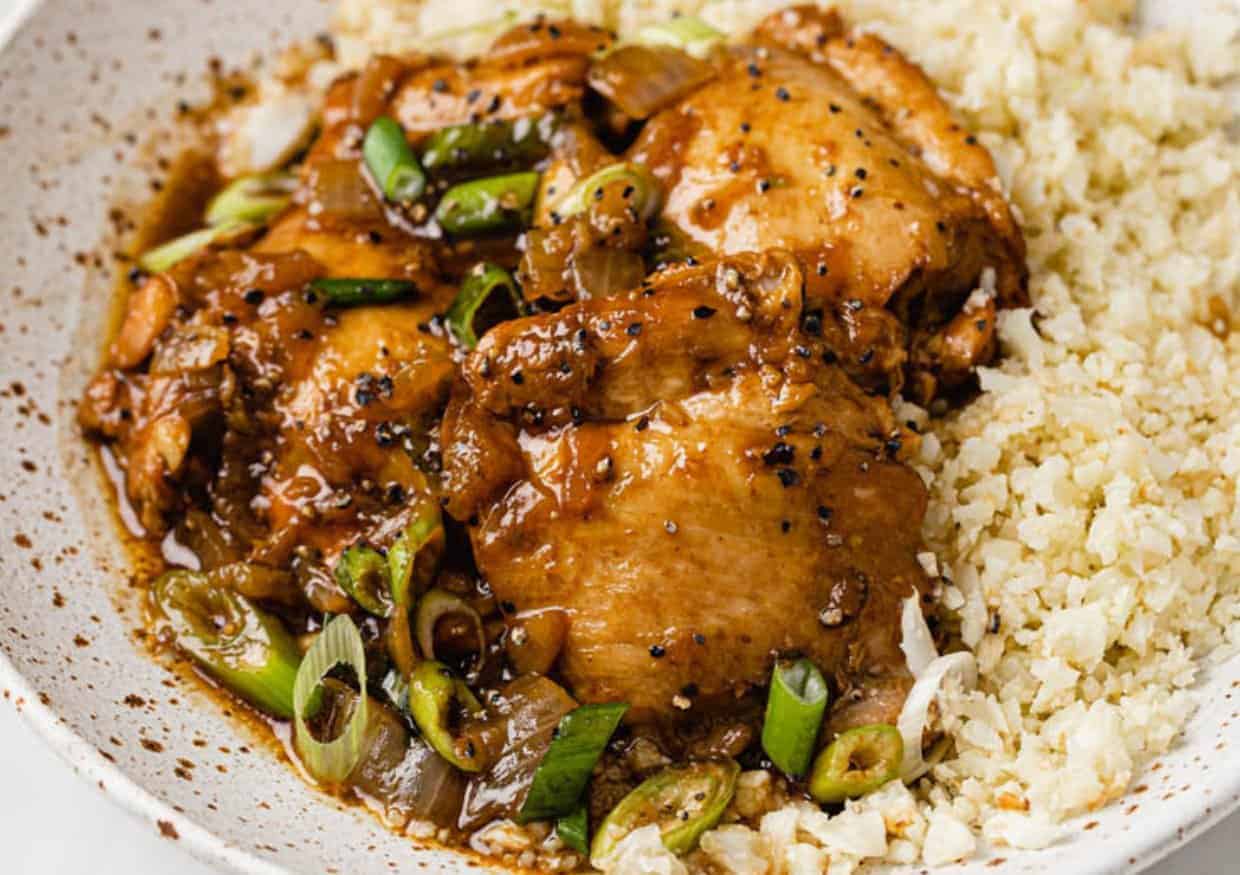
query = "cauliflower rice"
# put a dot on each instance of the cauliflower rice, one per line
(1085, 509)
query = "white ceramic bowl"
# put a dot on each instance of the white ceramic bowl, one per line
(79, 78)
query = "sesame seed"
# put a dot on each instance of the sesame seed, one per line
(703, 312)
(657, 651)
(782, 93)
(788, 477)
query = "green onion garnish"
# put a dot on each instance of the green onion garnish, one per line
(165, 255)
(436, 605)
(561, 777)
(437, 701)
(859, 761)
(247, 650)
(252, 198)
(484, 206)
(684, 801)
(645, 194)
(362, 572)
(487, 144)
(477, 306)
(794, 710)
(574, 829)
(358, 291)
(403, 554)
(338, 644)
(392, 163)
(684, 32)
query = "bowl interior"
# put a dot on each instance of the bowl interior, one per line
(79, 85)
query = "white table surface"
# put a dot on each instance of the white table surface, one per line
(54, 823)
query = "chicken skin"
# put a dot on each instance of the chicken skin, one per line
(688, 482)
(838, 149)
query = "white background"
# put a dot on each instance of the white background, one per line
(53, 822)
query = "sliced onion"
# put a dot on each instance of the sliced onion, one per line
(338, 644)
(641, 80)
(516, 735)
(338, 190)
(436, 605)
(916, 640)
(930, 671)
(915, 715)
(603, 272)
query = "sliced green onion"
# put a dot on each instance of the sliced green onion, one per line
(436, 700)
(859, 761)
(561, 777)
(358, 291)
(392, 163)
(487, 144)
(685, 32)
(484, 206)
(645, 198)
(178, 249)
(362, 572)
(476, 308)
(252, 198)
(403, 554)
(338, 644)
(574, 829)
(245, 649)
(794, 710)
(684, 801)
(436, 605)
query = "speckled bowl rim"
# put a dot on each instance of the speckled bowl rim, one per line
(86, 761)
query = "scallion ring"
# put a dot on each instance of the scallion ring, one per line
(402, 556)
(794, 709)
(561, 777)
(683, 801)
(392, 163)
(646, 196)
(178, 249)
(362, 572)
(339, 643)
(254, 198)
(488, 144)
(490, 205)
(685, 32)
(574, 829)
(858, 762)
(244, 648)
(436, 605)
(488, 295)
(359, 291)
(437, 702)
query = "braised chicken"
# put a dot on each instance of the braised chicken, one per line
(694, 489)
(835, 147)
(559, 382)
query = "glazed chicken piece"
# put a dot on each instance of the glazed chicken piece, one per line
(677, 472)
(835, 147)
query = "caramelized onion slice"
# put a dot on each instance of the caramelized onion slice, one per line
(641, 80)
(517, 731)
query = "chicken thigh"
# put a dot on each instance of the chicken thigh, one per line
(838, 149)
(678, 472)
